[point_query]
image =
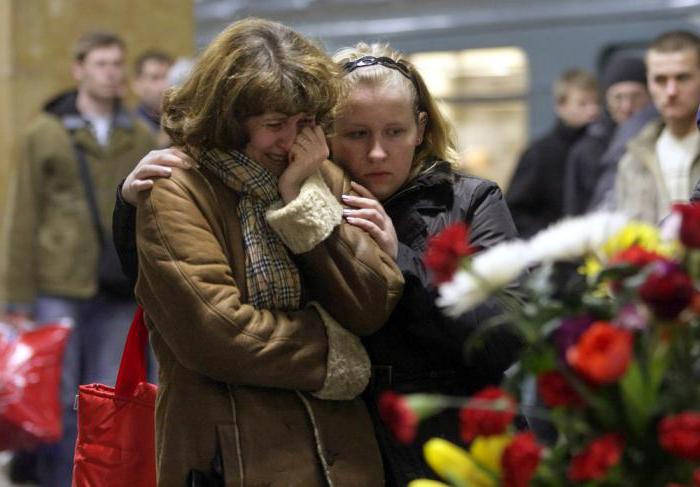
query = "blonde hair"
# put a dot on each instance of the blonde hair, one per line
(573, 79)
(254, 66)
(437, 143)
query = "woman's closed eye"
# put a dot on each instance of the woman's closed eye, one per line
(355, 134)
(274, 125)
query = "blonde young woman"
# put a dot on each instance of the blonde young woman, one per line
(390, 137)
(254, 289)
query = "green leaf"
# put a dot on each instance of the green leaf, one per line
(538, 360)
(638, 398)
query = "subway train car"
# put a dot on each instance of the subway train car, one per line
(491, 62)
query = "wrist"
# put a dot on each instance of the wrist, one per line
(289, 190)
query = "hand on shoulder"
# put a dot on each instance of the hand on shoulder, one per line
(155, 164)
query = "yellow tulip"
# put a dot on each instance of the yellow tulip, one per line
(426, 483)
(456, 465)
(488, 450)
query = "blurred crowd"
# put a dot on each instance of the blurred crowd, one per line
(625, 141)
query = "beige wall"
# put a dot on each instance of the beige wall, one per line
(36, 40)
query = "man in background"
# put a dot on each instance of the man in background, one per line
(57, 228)
(535, 194)
(662, 163)
(625, 94)
(150, 82)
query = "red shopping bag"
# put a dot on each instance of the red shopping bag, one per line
(30, 382)
(116, 430)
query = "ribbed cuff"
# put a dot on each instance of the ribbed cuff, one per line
(348, 368)
(309, 219)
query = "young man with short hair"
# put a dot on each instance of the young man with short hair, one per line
(149, 83)
(58, 228)
(662, 163)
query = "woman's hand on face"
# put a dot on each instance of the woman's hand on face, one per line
(368, 214)
(155, 164)
(305, 157)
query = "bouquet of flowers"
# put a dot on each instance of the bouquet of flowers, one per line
(611, 320)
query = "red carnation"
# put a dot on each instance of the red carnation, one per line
(668, 289)
(680, 435)
(489, 412)
(596, 459)
(446, 250)
(637, 256)
(602, 354)
(555, 390)
(690, 224)
(520, 460)
(398, 416)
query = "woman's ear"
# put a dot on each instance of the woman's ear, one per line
(422, 122)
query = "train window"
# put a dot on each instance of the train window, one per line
(483, 92)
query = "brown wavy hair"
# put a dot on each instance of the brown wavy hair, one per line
(254, 66)
(438, 138)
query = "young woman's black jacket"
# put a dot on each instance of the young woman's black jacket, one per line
(419, 349)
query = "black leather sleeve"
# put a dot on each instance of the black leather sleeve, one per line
(124, 235)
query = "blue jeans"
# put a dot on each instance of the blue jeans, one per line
(92, 354)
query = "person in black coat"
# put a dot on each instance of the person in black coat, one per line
(625, 92)
(392, 140)
(695, 196)
(535, 195)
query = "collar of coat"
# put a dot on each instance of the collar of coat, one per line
(431, 191)
(65, 107)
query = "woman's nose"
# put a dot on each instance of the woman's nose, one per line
(377, 151)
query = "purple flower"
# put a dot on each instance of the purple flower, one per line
(632, 317)
(569, 332)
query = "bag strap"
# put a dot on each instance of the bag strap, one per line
(132, 369)
(84, 170)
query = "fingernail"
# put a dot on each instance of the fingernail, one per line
(347, 212)
(344, 197)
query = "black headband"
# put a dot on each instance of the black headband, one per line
(387, 62)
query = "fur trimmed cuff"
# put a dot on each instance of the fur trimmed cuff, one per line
(309, 219)
(348, 368)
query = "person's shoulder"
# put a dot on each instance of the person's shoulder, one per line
(44, 124)
(196, 181)
(475, 189)
(473, 183)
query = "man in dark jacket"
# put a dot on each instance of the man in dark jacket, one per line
(695, 197)
(625, 93)
(535, 195)
(58, 228)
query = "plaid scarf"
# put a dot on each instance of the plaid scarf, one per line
(272, 278)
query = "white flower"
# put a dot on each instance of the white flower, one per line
(574, 238)
(496, 267)
(490, 270)
(462, 293)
